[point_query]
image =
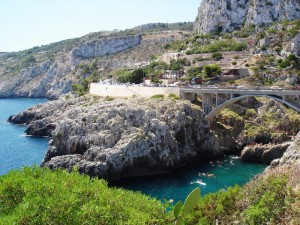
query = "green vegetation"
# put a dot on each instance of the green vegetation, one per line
(158, 96)
(189, 204)
(194, 72)
(109, 99)
(174, 96)
(291, 60)
(156, 80)
(269, 199)
(35, 195)
(134, 77)
(212, 70)
(179, 64)
(40, 196)
(217, 46)
(216, 56)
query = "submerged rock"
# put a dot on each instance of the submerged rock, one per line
(123, 137)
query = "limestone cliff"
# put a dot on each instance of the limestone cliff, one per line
(228, 15)
(121, 138)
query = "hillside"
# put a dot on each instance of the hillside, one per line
(48, 71)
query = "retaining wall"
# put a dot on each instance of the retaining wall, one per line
(129, 91)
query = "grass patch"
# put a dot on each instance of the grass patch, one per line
(158, 96)
(174, 96)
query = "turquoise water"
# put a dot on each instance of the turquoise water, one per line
(17, 150)
(210, 176)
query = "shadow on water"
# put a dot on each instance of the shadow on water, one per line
(210, 176)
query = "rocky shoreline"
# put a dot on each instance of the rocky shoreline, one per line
(117, 138)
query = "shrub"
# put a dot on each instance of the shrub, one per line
(109, 99)
(174, 96)
(179, 63)
(158, 96)
(234, 63)
(212, 70)
(217, 56)
(41, 196)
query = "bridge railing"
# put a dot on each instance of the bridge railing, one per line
(273, 88)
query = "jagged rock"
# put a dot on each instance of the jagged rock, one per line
(22, 118)
(121, 138)
(292, 154)
(263, 153)
(228, 15)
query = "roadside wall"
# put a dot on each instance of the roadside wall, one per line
(129, 91)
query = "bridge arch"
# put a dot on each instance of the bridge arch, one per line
(211, 115)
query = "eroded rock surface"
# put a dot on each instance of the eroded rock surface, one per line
(264, 153)
(228, 15)
(121, 138)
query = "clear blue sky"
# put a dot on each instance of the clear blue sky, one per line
(28, 23)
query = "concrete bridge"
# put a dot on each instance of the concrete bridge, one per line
(214, 98)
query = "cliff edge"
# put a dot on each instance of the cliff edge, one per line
(228, 15)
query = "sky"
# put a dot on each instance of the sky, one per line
(28, 23)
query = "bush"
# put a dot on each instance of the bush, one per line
(179, 63)
(41, 196)
(212, 70)
(174, 96)
(217, 56)
(158, 96)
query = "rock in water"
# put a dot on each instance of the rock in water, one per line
(228, 15)
(123, 137)
(264, 153)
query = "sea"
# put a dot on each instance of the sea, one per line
(18, 150)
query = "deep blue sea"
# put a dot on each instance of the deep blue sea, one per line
(17, 150)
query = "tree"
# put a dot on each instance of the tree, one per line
(212, 70)
(137, 76)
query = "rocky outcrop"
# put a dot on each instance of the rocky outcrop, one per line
(121, 138)
(292, 154)
(296, 45)
(105, 46)
(228, 15)
(264, 153)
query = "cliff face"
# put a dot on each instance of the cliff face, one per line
(228, 15)
(121, 138)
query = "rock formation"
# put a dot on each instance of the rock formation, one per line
(263, 153)
(296, 45)
(228, 15)
(121, 138)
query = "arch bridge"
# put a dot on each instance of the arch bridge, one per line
(214, 98)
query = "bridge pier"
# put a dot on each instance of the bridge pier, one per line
(207, 102)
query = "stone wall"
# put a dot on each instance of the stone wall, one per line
(129, 91)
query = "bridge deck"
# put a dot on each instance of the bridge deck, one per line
(248, 91)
